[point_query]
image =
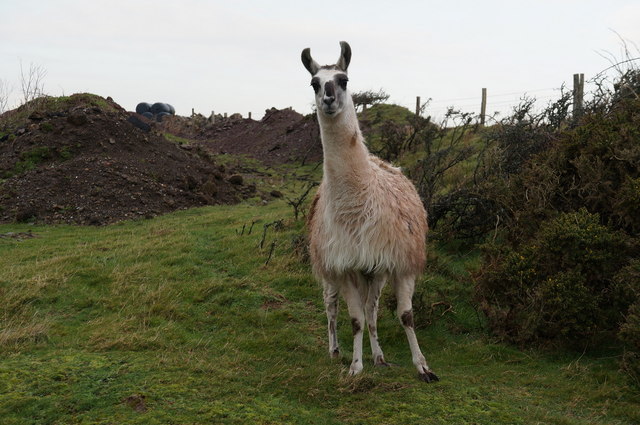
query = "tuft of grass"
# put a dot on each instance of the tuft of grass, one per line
(177, 139)
(19, 331)
(30, 160)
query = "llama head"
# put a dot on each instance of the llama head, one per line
(329, 82)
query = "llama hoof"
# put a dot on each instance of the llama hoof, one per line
(428, 377)
(383, 363)
(355, 369)
(335, 354)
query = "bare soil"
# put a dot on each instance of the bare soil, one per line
(281, 136)
(85, 160)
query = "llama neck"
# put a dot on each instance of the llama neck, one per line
(346, 158)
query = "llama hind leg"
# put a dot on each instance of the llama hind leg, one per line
(374, 290)
(352, 292)
(330, 294)
(404, 292)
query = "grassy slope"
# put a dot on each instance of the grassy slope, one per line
(379, 114)
(178, 320)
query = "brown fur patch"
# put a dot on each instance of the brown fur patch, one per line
(355, 325)
(409, 227)
(312, 208)
(407, 319)
(354, 139)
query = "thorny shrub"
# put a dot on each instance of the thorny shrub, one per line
(559, 285)
(558, 268)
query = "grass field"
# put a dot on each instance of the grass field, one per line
(185, 319)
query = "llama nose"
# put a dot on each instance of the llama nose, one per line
(329, 93)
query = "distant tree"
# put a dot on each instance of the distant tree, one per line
(369, 97)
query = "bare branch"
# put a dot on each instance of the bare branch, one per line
(5, 92)
(297, 202)
(32, 82)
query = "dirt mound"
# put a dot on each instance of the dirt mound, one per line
(282, 136)
(83, 159)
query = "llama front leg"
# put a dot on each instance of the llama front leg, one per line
(404, 292)
(330, 293)
(371, 315)
(353, 297)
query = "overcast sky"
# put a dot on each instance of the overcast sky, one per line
(241, 56)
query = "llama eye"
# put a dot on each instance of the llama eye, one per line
(316, 86)
(342, 82)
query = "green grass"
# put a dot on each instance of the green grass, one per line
(179, 320)
(383, 112)
(177, 139)
(30, 160)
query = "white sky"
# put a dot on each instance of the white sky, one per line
(240, 56)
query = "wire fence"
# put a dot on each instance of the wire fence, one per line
(500, 103)
(503, 104)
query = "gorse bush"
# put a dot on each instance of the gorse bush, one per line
(563, 263)
(480, 200)
(559, 285)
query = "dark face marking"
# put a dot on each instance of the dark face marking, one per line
(315, 83)
(341, 80)
(407, 319)
(329, 89)
(355, 325)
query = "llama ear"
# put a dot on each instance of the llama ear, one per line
(308, 62)
(345, 56)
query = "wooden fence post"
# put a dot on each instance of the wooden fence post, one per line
(578, 95)
(483, 106)
(417, 105)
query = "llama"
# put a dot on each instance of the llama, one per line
(366, 224)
